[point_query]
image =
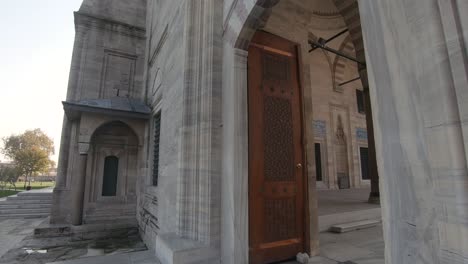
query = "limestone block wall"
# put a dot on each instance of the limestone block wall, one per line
(128, 12)
(183, 67)
(107, 61)
(327, 102)
(164, 74)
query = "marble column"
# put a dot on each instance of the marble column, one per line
(78, 185)
(235, 158)
(416, 60)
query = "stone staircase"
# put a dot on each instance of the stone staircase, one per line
(28, 204)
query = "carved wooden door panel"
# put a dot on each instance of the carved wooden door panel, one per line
(276, 183)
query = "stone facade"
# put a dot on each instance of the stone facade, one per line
(108, 61)
(187, 61)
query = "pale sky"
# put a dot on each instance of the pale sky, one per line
(36, 46)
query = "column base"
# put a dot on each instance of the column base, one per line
(172, 249)
(374, 198)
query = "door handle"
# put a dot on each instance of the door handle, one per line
(299, 166)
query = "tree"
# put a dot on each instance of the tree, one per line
(30, 152)
(9, 174)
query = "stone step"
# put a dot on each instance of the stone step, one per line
(327, 221)
(96, 220)
(353, 226)
(30, 193)
(34, 194)
(26, 202)
(24, 211)
(25, 216)
(24, 205)
(29, 198)
(108, 229)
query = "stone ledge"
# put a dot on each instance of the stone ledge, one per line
(348, 227)
(171, 249)
(327, 221)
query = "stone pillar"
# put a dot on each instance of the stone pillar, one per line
(199, 180)
(374, 196)
(416, 60)
(235, 185)
(78, 184)
(62, 166)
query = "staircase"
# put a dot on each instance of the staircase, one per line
(28, 204)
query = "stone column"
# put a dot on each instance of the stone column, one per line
(199, 180)
(62, 166)
(417, 62)
(374, 196)
(78, 184)
(234, 185)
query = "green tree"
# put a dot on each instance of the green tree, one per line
(9, 174)
(30, 152)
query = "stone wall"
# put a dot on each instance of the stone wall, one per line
(183, 82)
(157, 212)
(194, 72)
(128, 12)
(107, 61)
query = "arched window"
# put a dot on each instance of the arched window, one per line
(111, 170)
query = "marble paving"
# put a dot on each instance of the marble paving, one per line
(358, 247)
(341, 201)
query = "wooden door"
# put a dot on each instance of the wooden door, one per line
(276, 174)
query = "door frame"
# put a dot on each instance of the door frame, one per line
(306, 212)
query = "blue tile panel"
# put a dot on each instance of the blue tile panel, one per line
(361, 133)
(320, 129)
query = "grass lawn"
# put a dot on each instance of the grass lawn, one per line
(5, 193)
(34, 185)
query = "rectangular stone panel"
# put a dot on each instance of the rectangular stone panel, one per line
(118, 74)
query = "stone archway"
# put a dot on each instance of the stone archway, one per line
(117, 142)
(103, 136)
(422, 206)
(241, 23)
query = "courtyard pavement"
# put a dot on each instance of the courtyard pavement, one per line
(342, 201)
(13, 231)
(359, 247)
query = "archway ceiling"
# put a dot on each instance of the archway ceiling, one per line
(322, 7)
(316, 14)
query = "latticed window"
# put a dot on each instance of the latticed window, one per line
(157, 134)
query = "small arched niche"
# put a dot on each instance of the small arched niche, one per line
(112, 173)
